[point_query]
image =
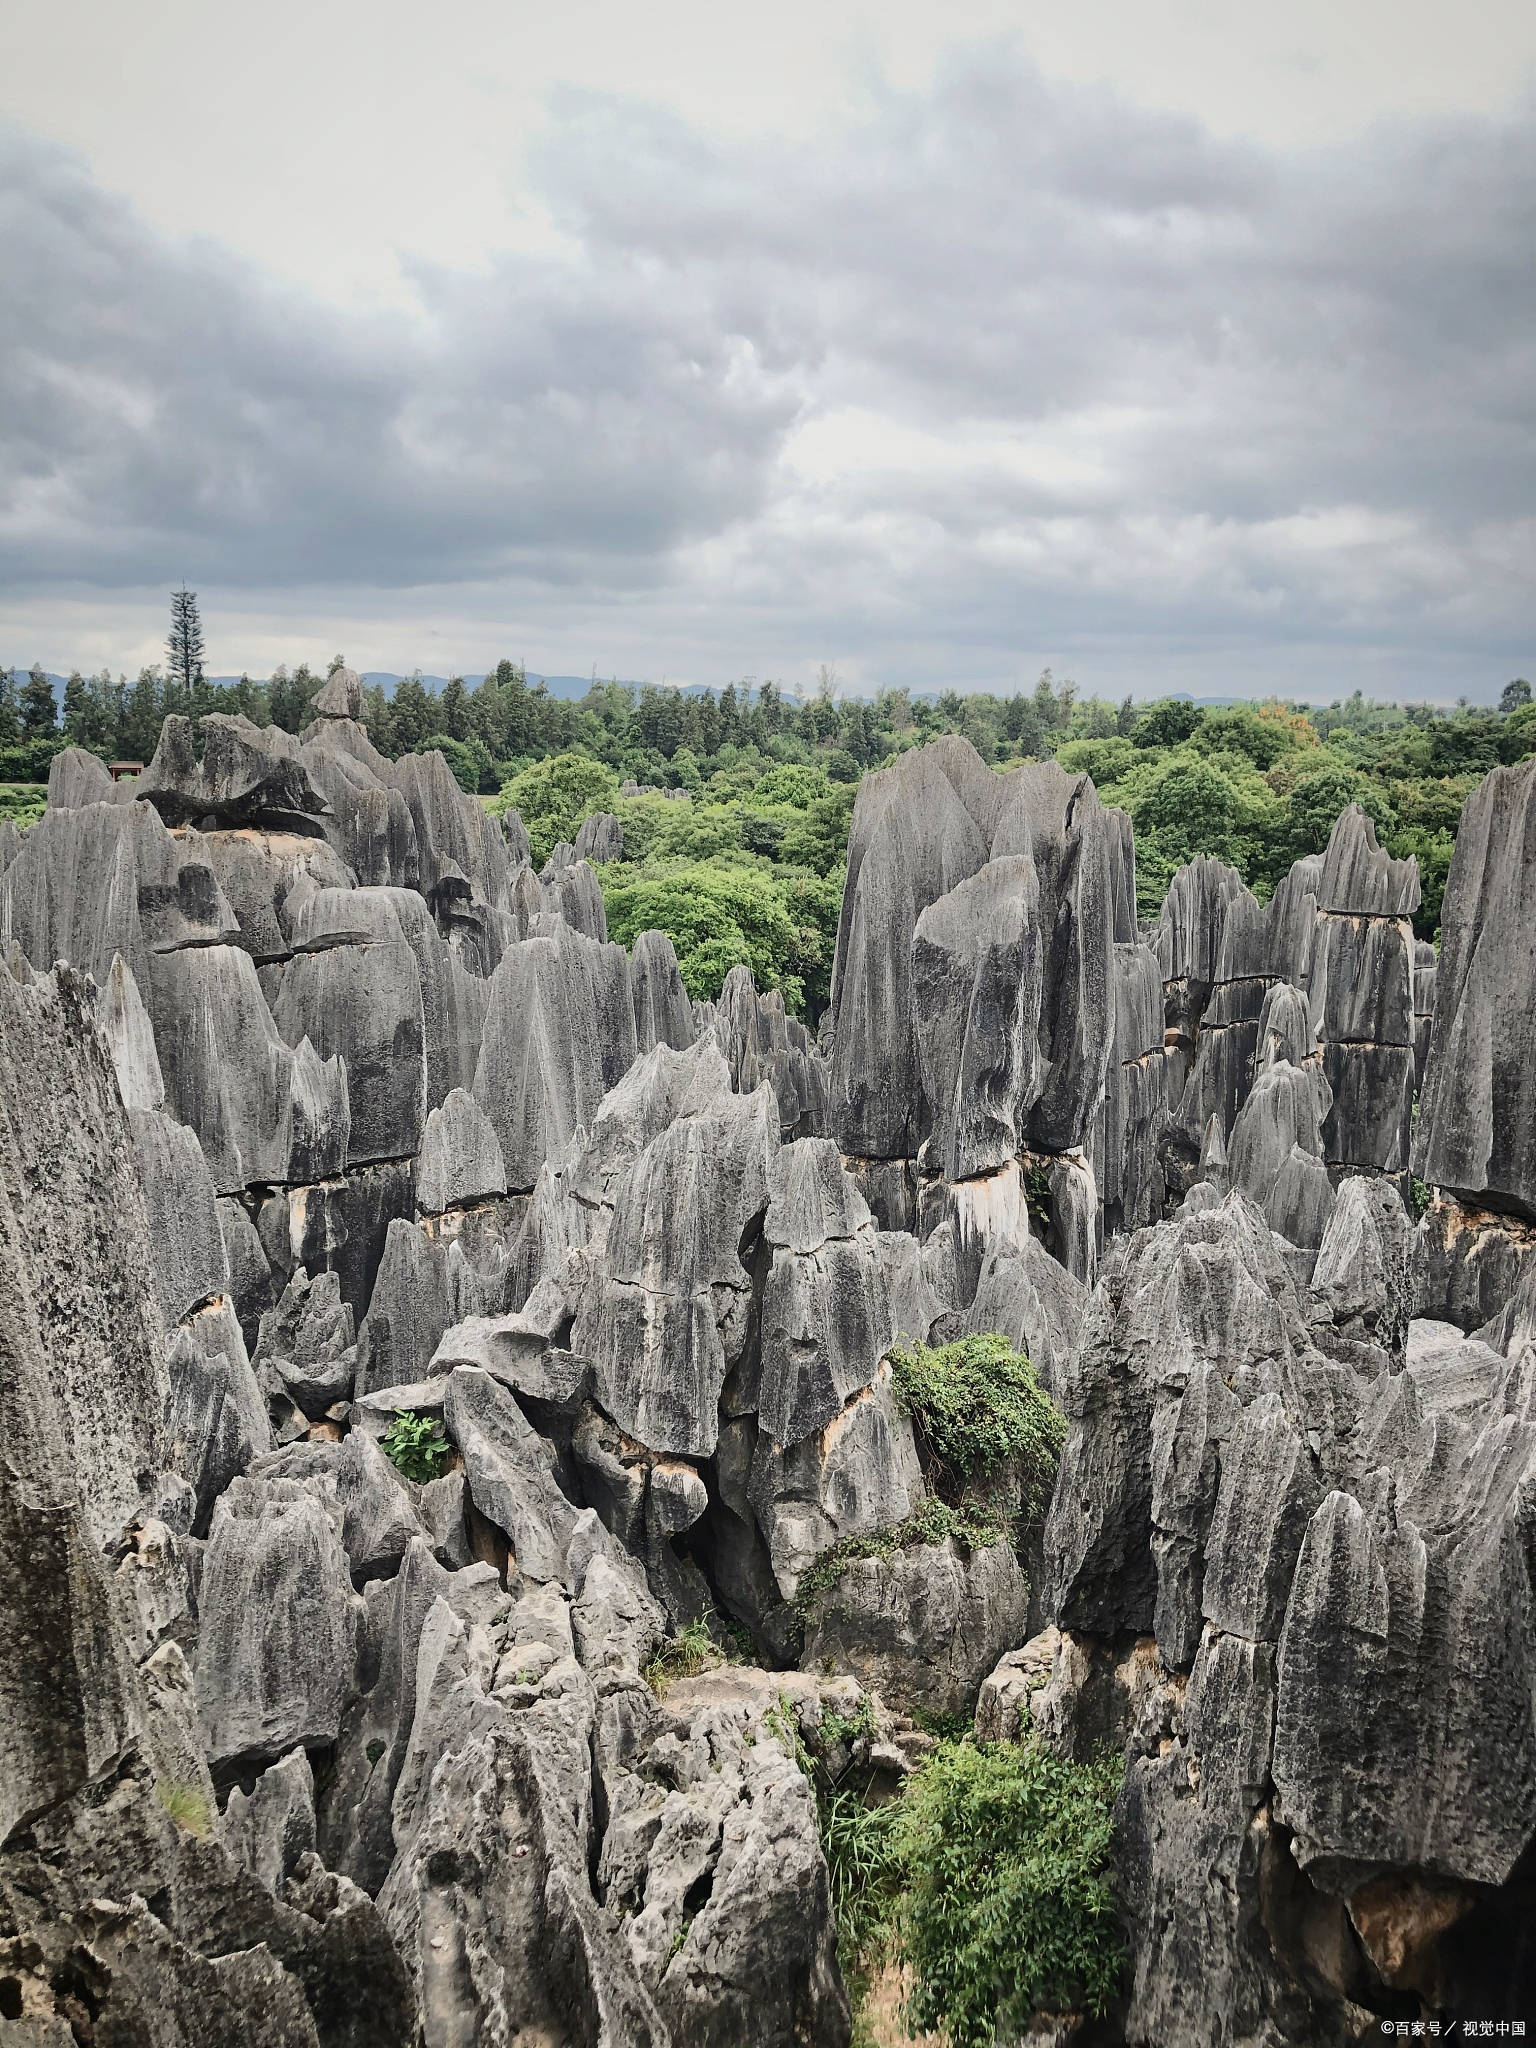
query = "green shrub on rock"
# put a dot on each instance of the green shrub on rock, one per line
(415, 1445)
(981, 1412)
(1004, 1853)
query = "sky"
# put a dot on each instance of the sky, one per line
(1184, 346)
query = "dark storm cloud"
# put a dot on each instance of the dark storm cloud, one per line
(1003, 358)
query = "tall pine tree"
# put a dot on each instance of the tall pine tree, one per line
(39, 720)
(184, 648)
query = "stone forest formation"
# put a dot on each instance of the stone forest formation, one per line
(331, 1124)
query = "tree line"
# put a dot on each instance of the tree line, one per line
(750, 868)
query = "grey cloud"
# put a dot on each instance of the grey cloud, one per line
(1295, 395)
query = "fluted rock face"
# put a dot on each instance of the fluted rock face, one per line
(1279, 1522)
(76, 778)
(109, 879)
(259, 873)
(559, 1033)
(341, 695)
(354, 993)
(263, 1113)
(974, 989)
(761, 1043)
(1128, 1142)
(672, 1312)
(599, 838)
(1188, 942)
(461, 1158)
(663, 1013)
(85, 1268)
(1476, 1134)
(826, 1315)
(278, 1622)
(976, 1004)
(363, 1117)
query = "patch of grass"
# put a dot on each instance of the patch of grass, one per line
(187, 1805)
(416, 1446)
(981, 1412)
(702, 1645)
(864, 1874)
(859, 1726)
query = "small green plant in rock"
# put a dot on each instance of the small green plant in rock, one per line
(701, 1645)
(1420, 1195)
(187, 1805)
(415, 1445)
(932, 1521)
(1037, 1198)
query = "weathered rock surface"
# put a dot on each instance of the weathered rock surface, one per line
(357, 1089)
(923, 1626)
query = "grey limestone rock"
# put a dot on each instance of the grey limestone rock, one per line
(1126, 1150)
(130, 1037)
(896, 877)
(1476, 1131)
(672, 1311)
(82, 1243)
(217, 1416)
(277, 1640)
(826, 1319)
(559, 1033)
(191, 1264)
(369, 823)
(308, 1340)
(1188, 940)
(572, 891)
(924, 1626)
(1369, 1273)
(434, 1275)
(760, 1042)
(515, 832)
(274, 1828)
(110, 879)
(460, 1159)
(600, 837)
(353, 990)
(76, 778)
(264, 876)
(378, 1516)
(663, 1014)
(464, 855)
(976, 988)
(264, 1114)
(341, 695)
(1426, 967)
(1275, 1155)
(1031, 1299)
(858, 1475)
(244, 776)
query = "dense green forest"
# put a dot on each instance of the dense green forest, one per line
(750, 867)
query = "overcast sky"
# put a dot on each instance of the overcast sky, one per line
(1177, 346)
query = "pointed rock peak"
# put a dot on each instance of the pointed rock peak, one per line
(342, 696)
(1361, 877)
(1286, 1034)
(811, 1198)
(461, 1159)
(130, 1036)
